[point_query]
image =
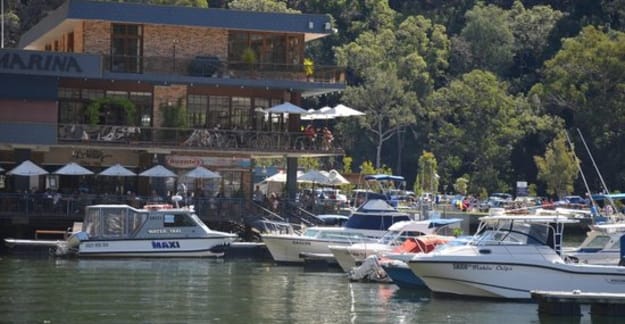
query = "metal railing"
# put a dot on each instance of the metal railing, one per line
(214, 67)
(218, 139)
(71, 207)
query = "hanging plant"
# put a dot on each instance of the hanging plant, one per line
(249, 57)
(94, 108)
(174, 116)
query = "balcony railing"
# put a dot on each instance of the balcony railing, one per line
(217, 139)
(213, 67)
(72, 206)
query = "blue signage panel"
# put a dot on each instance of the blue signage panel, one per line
(50, 63)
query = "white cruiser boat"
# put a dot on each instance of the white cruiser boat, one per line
(510, 256)
(156, 231)
(601, 246)
(353, 255)
(367, 224)
(314, 241)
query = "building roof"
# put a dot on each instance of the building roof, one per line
(313, 26)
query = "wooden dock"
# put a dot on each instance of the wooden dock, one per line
(568, 302)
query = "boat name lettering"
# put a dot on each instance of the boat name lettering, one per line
(165, 244)
(617, 281)
(296, 242)
(96, 244)
(481, 267)
(164, 230)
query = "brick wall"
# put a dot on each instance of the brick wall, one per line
(97, 37)
(190, 41)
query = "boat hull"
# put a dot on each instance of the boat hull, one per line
(509, 279)
(293, 249)
(176, 247)
(402, 275)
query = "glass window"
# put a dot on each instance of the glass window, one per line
(270, 48)
(241, 109)
(218, 112)
(69, 93)
(70, 112)
(126, 48)
(197, 106)
(178, 220)
(92, 93)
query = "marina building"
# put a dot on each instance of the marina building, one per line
(102, 83)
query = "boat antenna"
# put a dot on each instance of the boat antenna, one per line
(579, 167)
(605, 188)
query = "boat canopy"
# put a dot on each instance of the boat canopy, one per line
(383, 177)
(608, 196)
(113, 221)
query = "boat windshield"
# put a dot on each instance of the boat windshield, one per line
(512, 233)
(598, 242)
(397, 237)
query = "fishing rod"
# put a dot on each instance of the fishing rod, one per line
(603, 185)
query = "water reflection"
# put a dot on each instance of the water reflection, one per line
(48, 290)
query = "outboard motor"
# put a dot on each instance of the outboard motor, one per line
(72, 244)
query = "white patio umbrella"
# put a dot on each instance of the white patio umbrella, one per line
(27, 168)
(336, 178)
(157, 171)
(201, 172)
(117, 170)
(314, 176)
(341, 110)
(73, 168)
(288, 108)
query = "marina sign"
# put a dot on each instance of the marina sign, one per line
(50, 63)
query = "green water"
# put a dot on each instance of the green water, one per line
(49, 290)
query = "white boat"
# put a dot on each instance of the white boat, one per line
(368, 223)
(353, 255)
(155, 231)
(601, 246)
(510, 256)
(314, 241)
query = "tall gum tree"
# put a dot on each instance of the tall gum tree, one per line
(477, 125)
(584, 83)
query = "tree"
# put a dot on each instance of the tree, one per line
(427, 177)
(532, 29)
(558, 167)
(387, 105)
(490, 37)
(476, 126)
(584, 83)
(461, 185)
(261, 5)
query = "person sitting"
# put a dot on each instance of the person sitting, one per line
(309, 132)
(327, 139)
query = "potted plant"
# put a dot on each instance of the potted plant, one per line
(249, 57)
(309, 68)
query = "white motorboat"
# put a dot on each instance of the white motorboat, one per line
(293, 248)
(367, 224)
(601, 246)
(155, 231)
(510, 256)
(353, 255)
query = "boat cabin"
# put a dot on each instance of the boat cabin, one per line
(121, 222)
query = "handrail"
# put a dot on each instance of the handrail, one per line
(215, 67)
(219, 139)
